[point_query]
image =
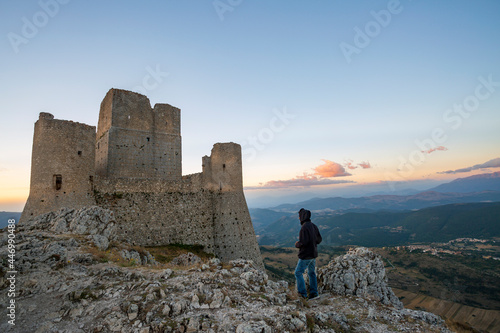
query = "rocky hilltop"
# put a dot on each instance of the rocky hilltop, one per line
(73, 276)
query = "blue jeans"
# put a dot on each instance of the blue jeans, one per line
(310, 265)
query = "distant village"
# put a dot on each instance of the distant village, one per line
(436, 249)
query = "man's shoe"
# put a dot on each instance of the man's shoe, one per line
(313, 296)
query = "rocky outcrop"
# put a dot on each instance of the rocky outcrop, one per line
(63, 285)
(95, 221)
(186, 259)
(134, 257)
(360, 272)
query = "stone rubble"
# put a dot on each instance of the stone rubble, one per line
(63, 287)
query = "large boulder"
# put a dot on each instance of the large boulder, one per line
(361, 273)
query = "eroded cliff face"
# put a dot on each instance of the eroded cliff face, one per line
(73, 276)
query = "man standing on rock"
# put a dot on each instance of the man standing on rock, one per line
(309, 238)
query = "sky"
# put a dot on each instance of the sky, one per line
(327, 98)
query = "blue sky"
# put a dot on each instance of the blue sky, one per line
(272, 76)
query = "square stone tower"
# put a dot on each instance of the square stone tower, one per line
(62, 166)
(137, 141)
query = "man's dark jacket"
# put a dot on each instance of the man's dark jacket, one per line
(309, 236)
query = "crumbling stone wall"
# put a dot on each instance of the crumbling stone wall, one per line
(62, 166)
(234, 234)
(207, 208)
(159, 213)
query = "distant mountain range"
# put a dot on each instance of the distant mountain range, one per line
(389, 202)
(479, 188)
(5, 216)
(477, 183)
(445, 212)
(383, 228)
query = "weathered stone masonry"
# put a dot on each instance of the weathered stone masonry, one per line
(62, 166)
(132, 165)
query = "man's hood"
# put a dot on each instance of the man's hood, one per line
(304, 215)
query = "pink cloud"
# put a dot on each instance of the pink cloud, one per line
(434, 149)
(365, 165)
(494, 163)
(330, 169)
(321, 176)
(349, 165)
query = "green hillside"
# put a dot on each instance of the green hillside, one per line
(261, 218)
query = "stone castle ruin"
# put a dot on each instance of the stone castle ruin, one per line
(132, 165)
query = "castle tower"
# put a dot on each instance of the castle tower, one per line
(222, 171)
(136, 155)
(62, 166)
(234, 236)
(137, 141)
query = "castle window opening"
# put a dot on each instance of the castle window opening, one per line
(79, 153)
(147, 139)
(57, 182)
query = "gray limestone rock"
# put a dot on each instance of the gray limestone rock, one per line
(84, 295)
(360, 272)
(186, 259)
(101, 242)
(91, 220)
(253, 327)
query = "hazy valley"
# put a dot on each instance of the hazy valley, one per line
(441, 249)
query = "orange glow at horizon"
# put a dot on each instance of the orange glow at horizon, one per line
(13, 194)
(379, 174)
(13, 204)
